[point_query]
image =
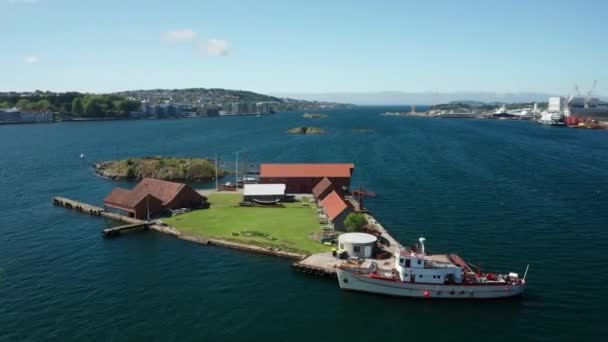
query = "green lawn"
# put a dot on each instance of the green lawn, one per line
(286, 228)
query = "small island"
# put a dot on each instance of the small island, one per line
(165, 168)
(314, 116)
(306, 130)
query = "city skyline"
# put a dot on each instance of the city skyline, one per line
(343, 47)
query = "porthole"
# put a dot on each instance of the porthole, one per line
(345, 280)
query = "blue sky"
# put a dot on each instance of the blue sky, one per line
(304, 46)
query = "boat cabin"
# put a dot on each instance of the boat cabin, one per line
(415, 268)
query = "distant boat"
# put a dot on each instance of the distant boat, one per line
(461, 115)
(551, 118)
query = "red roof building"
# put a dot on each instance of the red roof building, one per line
(302, 178)
(322, 189)
(153, 196)
(336, 210)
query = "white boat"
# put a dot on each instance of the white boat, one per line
(416, 274)
(551, 118)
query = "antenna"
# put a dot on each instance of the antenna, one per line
(421, 239)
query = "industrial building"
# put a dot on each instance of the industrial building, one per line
(360, 245)
(302, 178)
(263, 192)
(336, 210)
(152, 197)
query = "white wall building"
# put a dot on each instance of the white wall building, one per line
(557, 104)
(359, 245)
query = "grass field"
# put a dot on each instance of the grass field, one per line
(285, 228)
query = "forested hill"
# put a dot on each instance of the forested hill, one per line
(221, 97)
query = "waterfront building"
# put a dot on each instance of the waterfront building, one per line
(15, 115)
(209, 111)
(264, 107)
(239, 108)
(251, 108)
(302, 178)
(10, 115)
(151, 197)
(322, 189)
(336, 210)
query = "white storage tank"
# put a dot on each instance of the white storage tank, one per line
(357, 244)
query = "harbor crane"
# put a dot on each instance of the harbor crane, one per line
(589, 92)
(360, 193)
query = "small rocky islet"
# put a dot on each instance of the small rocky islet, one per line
(306, 130)
(165, 168)
(314, 116)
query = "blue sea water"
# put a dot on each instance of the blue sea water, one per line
(502, 194)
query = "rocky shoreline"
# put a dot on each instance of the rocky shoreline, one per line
(164, 168)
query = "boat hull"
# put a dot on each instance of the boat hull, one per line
(349, 280)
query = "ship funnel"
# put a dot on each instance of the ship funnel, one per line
(422, 244)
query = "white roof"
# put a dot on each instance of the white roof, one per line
(263, 189)
(357, 238)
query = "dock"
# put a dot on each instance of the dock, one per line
(319, 264)
(116, 231)
(131, 224)
(325, 264)
(92, 210)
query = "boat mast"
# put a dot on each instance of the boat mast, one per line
(526, 272)
(421, 239)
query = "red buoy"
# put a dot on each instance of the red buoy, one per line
(426, 293)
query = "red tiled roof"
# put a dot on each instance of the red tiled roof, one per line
(333, 205)
(306, 170)
(162, 190)
(321, 187)
(126, 198)
(119, 196)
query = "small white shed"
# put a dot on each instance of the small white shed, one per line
(357, 244)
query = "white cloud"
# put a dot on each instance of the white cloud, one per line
(215, 47)
(31, 60)
(178, 36)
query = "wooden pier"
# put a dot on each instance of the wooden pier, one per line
(116, 231)
(132, 224)
(92, 210)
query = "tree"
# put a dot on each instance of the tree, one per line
(94, 107)
(355, 222)
(23, 104)
(43, 105)
(77, 106)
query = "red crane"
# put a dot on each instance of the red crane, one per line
(361, 193)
